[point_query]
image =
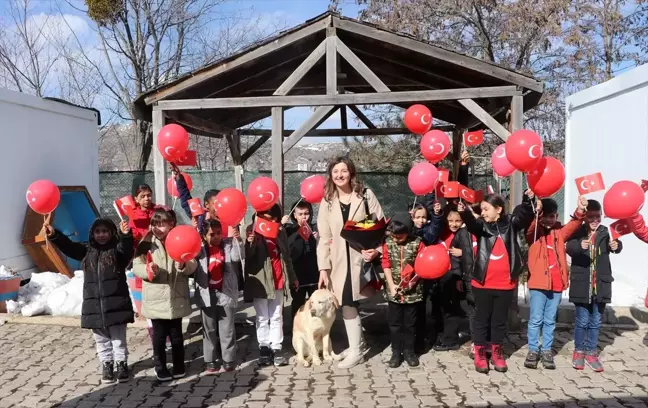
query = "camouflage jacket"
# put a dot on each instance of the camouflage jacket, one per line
(396, 257)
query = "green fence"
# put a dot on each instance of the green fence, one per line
(390, 188)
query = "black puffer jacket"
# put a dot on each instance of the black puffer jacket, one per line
(303, 255)
(106, 300)
(580, 282)
(508, 227)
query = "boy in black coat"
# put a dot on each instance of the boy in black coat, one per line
(107, 307)
(590, 283)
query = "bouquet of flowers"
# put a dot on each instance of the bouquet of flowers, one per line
(364, 235)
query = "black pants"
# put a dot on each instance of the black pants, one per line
(401, 318)
(451, 309)
(299, 298)
(491, 315)
(172, 328)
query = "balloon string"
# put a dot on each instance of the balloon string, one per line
(173, 204)
(414, 205)
(295, 206)
(44, 222)
(535, 230)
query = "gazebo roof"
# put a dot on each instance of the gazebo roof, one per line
(400, 61)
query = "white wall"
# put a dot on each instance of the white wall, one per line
(41, 139)
(607, 132)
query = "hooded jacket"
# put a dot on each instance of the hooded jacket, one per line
(106, 299)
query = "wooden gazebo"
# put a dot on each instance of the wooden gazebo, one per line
(333, 62)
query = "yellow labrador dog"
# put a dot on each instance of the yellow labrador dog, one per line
(312, 327)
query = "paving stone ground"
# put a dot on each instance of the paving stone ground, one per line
(56, 366)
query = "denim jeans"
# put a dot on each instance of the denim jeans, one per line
(588, 323)
(542, 316)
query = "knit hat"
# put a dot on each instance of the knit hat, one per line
(404, 219)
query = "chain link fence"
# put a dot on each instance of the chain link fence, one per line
(391, 188)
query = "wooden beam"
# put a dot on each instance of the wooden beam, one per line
(243, 58)
(360, 67)
(344, 99)
(438, 53)
(277, 150)
(302, 69)
(342, 132)
(234, 143)
(457, 142)
(198, 123)
(485, 118)
(362, 117)
(344, 124)
(159, 164)
(308, 124)
(331, 62)
(255, 146)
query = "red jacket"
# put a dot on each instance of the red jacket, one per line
(638, 227)
(538, 260)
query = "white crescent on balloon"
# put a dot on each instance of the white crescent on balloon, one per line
(186, 257)
(272, 197)
(441, 150)
(502, 152)
(534, 156)
(426, 121)
(169, 151)
(28, 195)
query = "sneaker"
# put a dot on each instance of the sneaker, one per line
(578, 360)
(481, 362)
(122, 372)
(497, 358)
(410, 358)
(108, 375)
(396, 360)
(278, 359)
(531, 360)
(441, 346)
(547, 358)
(179, 372)
(211, 369)
(163, 374)
(266, 356)
(593, 362)
(228, 367)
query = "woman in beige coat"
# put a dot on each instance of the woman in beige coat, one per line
(339, 264)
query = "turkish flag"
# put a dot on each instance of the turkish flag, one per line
(644, 185)
(195, 207)
(149, 261)
(444, 175)
(590, 183)
(619, 228)
(305, 232)
(449, 189)
(267, 228)
(473, 138)
(479, 196)
(467, 194)
(125, 206)
(190, 159)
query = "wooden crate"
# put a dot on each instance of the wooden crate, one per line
(73, 217)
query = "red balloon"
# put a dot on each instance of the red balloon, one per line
(623, 200)
(547, 178)
(524, 149)
(172, 187)
(435, 146)
(423, 178)
(183, 243)
(432, 262)
(43, 196)
(418, 119)
(501, 166)
(173, 142)
(230, 206)
(263, 193)
(312, 189)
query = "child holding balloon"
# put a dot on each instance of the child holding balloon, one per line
(165, 292)
(590, 285)
(495, 271)
(268, 276)
(106, 305)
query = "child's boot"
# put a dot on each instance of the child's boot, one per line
(497, 358)
(578, 360)
(548, 360)
(265, 357)
(593, 361)
(481, 362)
(396, 359)
(410, 358)
(108, 373)
(122, 372)
(531, 360)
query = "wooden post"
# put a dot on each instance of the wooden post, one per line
(159, 164)
(331, 61)
(457, 134)
(277, 150)
(515, 123)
